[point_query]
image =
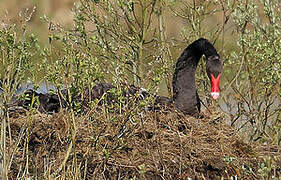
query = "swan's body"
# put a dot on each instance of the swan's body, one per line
(185, 97)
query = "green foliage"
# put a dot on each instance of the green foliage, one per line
(125, 37)
(257, 81)
(17, 50)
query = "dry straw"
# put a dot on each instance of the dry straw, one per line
(142, 145)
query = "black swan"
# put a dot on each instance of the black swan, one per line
(185, 97)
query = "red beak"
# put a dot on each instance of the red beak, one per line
(215, 82)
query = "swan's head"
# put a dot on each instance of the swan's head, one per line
(214, 70)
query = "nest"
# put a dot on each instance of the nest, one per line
(132, 144)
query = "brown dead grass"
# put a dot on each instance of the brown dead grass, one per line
(144, 145)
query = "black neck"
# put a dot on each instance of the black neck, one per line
(184, 89)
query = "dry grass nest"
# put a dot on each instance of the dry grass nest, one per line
(133, 144)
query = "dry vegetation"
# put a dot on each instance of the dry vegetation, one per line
(151, 145)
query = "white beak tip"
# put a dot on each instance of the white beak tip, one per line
(215, 95)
